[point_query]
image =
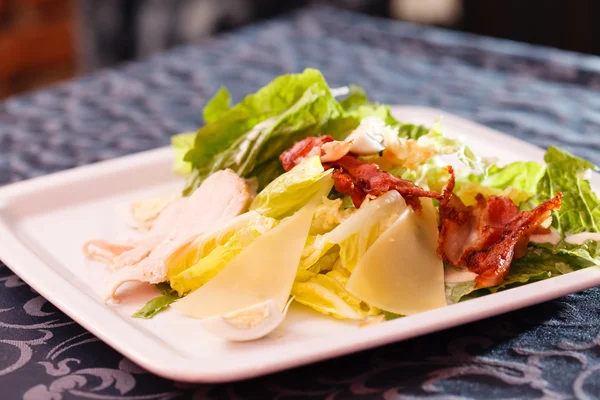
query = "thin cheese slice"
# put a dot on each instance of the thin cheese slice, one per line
(264, 270)
(401, 272)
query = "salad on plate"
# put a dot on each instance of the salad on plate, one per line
(316, 195)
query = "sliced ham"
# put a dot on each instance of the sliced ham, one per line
(487, 236)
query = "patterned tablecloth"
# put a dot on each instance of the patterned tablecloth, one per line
(542, 95)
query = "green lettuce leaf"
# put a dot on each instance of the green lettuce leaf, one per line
(517, 180)
(390, 315)
(327, 262)
(292, 190)
(356, 233)
(418, 153)
(184, 142)
(372, 110)
(356, 98)
(208, 267)
(158, 304)
(266, 173)
(190, 254)
(524, 175)
(218, 106)
(326, 294)
(443, 145)
(412, 155)
(580, 210)
(329, 215)
(181, 144)
(262, 126)
(249, 137)
(270, 101)
(203, 261)
(358, 106)
(538, 264)
(412, 131)
(460, 291)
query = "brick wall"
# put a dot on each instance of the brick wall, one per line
(37, 44)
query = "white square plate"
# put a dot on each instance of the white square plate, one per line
(44, 222)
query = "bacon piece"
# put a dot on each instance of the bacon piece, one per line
(311, 146)
(487, 236)
(353, 177)
(493, 264)
(358, 179)
(471, 228)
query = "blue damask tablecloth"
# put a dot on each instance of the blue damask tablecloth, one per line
(542, 95)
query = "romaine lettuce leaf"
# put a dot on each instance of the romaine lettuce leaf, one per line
(193, 265)
(420, 154)
(266, 172)
(538, 264)
(412, 131)
(182, 143)
(190, 254)
(524, 175)
(355, 235)
(580, 210)
(158, 304)
(326, 294)
(249, 137)
(357, 106)
(218, 106)
(262, 126)
(404, 154)
(227, 247)
(372, 110)
(517, 180)
(444, 145)
(329, 215)
(456, 292)
(327, 262)
(208, 267)
(291, 190)
(354, 247)
(356, 98)
(269, 101)
(390, 315)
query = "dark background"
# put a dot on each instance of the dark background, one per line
(47, 41)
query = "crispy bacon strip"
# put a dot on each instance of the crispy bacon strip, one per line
(474, 228)
(353, 177)
(487, 236)
(358, 179)
(311, 146)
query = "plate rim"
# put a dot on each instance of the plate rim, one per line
(170, 364)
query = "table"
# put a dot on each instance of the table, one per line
(542, 95)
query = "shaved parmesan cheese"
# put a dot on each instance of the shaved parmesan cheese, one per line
(401, 272)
